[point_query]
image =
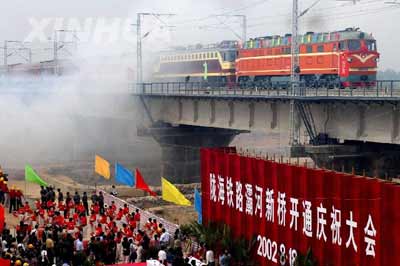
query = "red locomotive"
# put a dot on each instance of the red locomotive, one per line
(345, 58)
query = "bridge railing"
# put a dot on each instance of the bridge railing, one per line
(381, 88)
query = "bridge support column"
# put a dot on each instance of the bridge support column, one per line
(181, 145)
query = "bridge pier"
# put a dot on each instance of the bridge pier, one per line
(180, 147)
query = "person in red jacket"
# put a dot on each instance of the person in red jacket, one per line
(126, 209)
(13, 200)
(103, 219)
(70, 226)
(132, 222)
(137, 217)
(59, 220)
(27, 208)
(95, 208)
(50, 204)
(120, 214)
(82, 220)
(110, 212)
(127, 231)
(99, 230)
(19, 196)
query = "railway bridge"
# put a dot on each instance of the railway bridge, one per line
(339, 128)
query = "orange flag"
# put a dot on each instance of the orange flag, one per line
(102, 167)
(140, 184)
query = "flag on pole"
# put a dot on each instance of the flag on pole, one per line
(140, 184)
(124, 176)
(197, 206)
(102, 167)
(31, 176)
(172, 194)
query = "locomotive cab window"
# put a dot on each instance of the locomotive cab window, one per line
(354, 45)
(371, 45)
(342, 46)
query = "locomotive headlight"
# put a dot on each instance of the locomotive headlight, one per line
(349, 60)
(377, 59)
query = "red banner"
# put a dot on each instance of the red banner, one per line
(2, 218)
(344, 219)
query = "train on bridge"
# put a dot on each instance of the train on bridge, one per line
(346, 58)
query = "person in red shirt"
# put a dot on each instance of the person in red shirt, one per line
(82, 220)
(59, 220)
(80, 208)
(41, 215)
(13, 200)
(99, 230)
(127, 231)
(126, 209)
(50, 214)
(50, 204)
(138, 237)
(115, 228)
(119, 237)
(61, 206)
(70, 226)
(132, 222)
(148, 225)
(34, 217)
(75, 217)
(120, 214)
(19, 197)
(137, 217)
(110, 212)
(113, 206)
(95, 208)
(27, 208)
(38, 204)
(103, 219)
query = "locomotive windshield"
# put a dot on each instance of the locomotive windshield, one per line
(229, 56)
(371, 45)
(354, 45)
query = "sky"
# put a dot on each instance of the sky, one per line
(195, 22)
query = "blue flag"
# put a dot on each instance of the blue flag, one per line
(197, 205)
(124, 176)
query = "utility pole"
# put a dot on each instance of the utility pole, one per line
(294, 135)
(55, 54)
(139, 52)
(244, 25)
(15, 48)
(59, 43)
(139, 58)
(5, 54)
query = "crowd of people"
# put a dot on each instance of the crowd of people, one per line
(80, 229)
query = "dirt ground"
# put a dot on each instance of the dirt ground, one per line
(177, 214)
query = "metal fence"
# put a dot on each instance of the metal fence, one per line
(381, 89)
(144, 215)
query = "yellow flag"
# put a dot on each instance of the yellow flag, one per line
(172, 194)
(102, 167)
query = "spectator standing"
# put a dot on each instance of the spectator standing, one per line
(209, 257)
(85, 202)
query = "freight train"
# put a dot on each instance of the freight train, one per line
(346, 58)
